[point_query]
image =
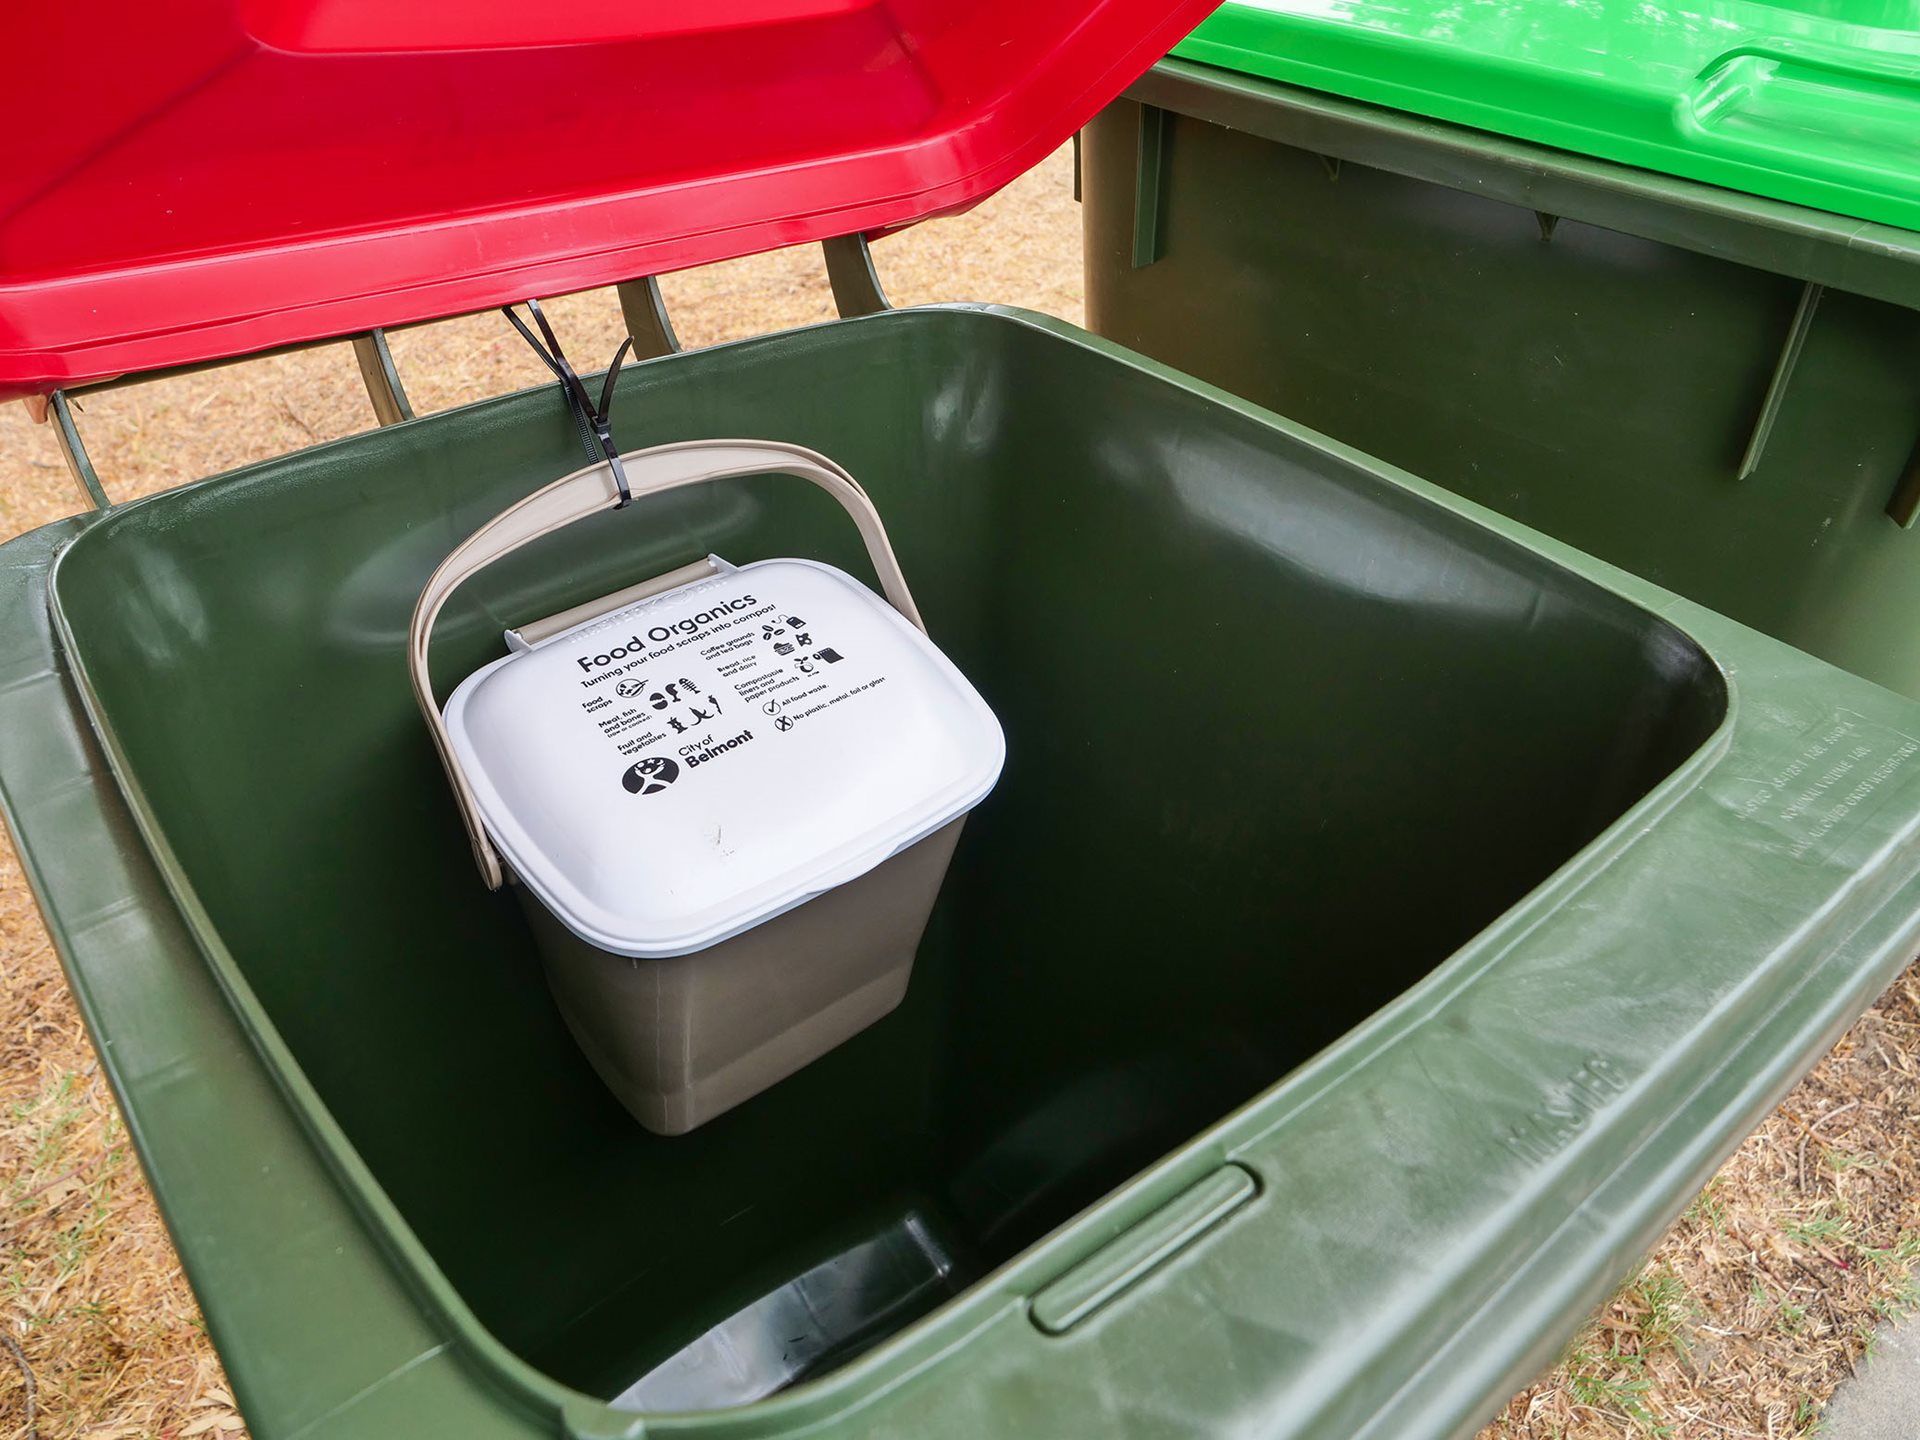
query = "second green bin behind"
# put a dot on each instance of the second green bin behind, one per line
(1719, 391)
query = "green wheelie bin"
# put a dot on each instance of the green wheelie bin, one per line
(1646, 277)
(1387, 918)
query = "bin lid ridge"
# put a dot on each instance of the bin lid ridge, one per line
(1815, 102)
(249, 174)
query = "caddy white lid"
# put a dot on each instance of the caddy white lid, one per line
(688, 767)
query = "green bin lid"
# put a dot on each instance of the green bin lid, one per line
(1811, 101)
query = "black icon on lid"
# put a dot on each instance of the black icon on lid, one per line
(651, 775)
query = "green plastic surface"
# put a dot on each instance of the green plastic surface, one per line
(1387, 918)
(1591, 349)
(1813, 101)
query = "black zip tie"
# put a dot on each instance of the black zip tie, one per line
(595, 425)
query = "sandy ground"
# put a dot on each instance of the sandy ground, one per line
(1760, 1300)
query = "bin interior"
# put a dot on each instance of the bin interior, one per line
(1282, 735)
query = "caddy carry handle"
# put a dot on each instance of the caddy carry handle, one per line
(588, 492)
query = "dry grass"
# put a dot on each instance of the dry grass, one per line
(1760, 1300)
(90, 1288)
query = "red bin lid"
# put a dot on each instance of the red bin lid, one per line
(205, 178)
